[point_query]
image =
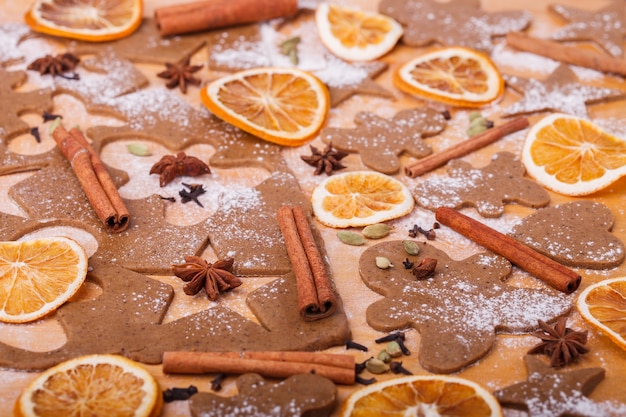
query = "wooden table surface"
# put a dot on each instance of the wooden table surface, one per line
(504, 365)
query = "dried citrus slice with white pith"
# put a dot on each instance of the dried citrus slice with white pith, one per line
(360, 198)
(603, 305)
(455, 75)
(37, 276)
(95, 21)
(281, 105)
(92, 385)
(573, 156)
(423, 395)
(354, 34)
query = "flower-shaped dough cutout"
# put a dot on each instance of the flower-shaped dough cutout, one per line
(127, 318)
(297, 396)
(380, 141)
(452, 23)
(458, 310)
(487, 189)
(575, 234)
(605, 26)
(554, 393)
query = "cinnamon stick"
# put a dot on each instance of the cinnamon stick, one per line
(542, 267)
(567, 54)
(212, 14)
(316, 297)
(472, 144)
(94, 179)
(336, 367)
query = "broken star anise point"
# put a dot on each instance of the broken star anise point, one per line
(561, 343)
(214, 277)
(325, 161)
(180, 74)
(170, 167)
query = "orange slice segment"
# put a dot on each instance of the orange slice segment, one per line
(356, 35)
(360, 198)
(92, 385)
(573, 156)
(95, 21)
(457, 76)
(603, 305)
(38, 276)
(281, 105)
(425, 395)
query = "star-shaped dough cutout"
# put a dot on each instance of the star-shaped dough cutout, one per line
(488, 188)
(560, 92)
(551, 393)
(380, 141)
(145, 45)
(605, 26)
(459, 310)
(455, 22)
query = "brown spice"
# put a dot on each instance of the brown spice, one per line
(325, 161)
(180, 74)
(56, 65)
(561, 343)
(425, 269)
(170, 167)
(215, 277)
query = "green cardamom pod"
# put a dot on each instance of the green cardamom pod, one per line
(350, 238)
(55, 123)
(376, 366)
(384, 356)
(411, 247)
(376, 231)
(383, 263)
(473, 115)
(138, 149)
(393, 349)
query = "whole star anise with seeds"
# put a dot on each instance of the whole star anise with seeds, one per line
(214, 277)
(561, 343)
(180, 74)
(56, 65)
(170, 167)
(325, 161)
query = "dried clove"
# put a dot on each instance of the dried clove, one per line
(172, 199)
(350, 344)
(49, 117)
(397, 368)
(391, 337)
(415, 230)
(405, 350)
(35, 132)
(407, 264)
(195, 190)
(216, 383)
(364, 381)
(446, 114)
(179, 394)
(360, 366)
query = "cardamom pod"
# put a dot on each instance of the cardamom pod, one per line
(384, 356)
(138, 149)
(376, 366)
(383, 263)
(393, 349)
(350, 238)
(376, 231)
(411, 247)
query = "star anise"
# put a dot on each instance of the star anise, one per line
(56, 65)
(561, 343)
(215, 277)
(180, 74)
(325, 161)
(170, 167)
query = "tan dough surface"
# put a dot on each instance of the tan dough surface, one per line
(503, 366)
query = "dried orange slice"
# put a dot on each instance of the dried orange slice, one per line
(423, 395)
(281, 105)
(37, 276)
(457, 76)
(573, 156)
(360, 198)
(92, 385)
(354, 34)
(603, 305)
(95, 21)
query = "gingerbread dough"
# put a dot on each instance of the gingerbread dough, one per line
(487, 189)
(575, 234)
(459, 310)
(380, 142)
(304, 395)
